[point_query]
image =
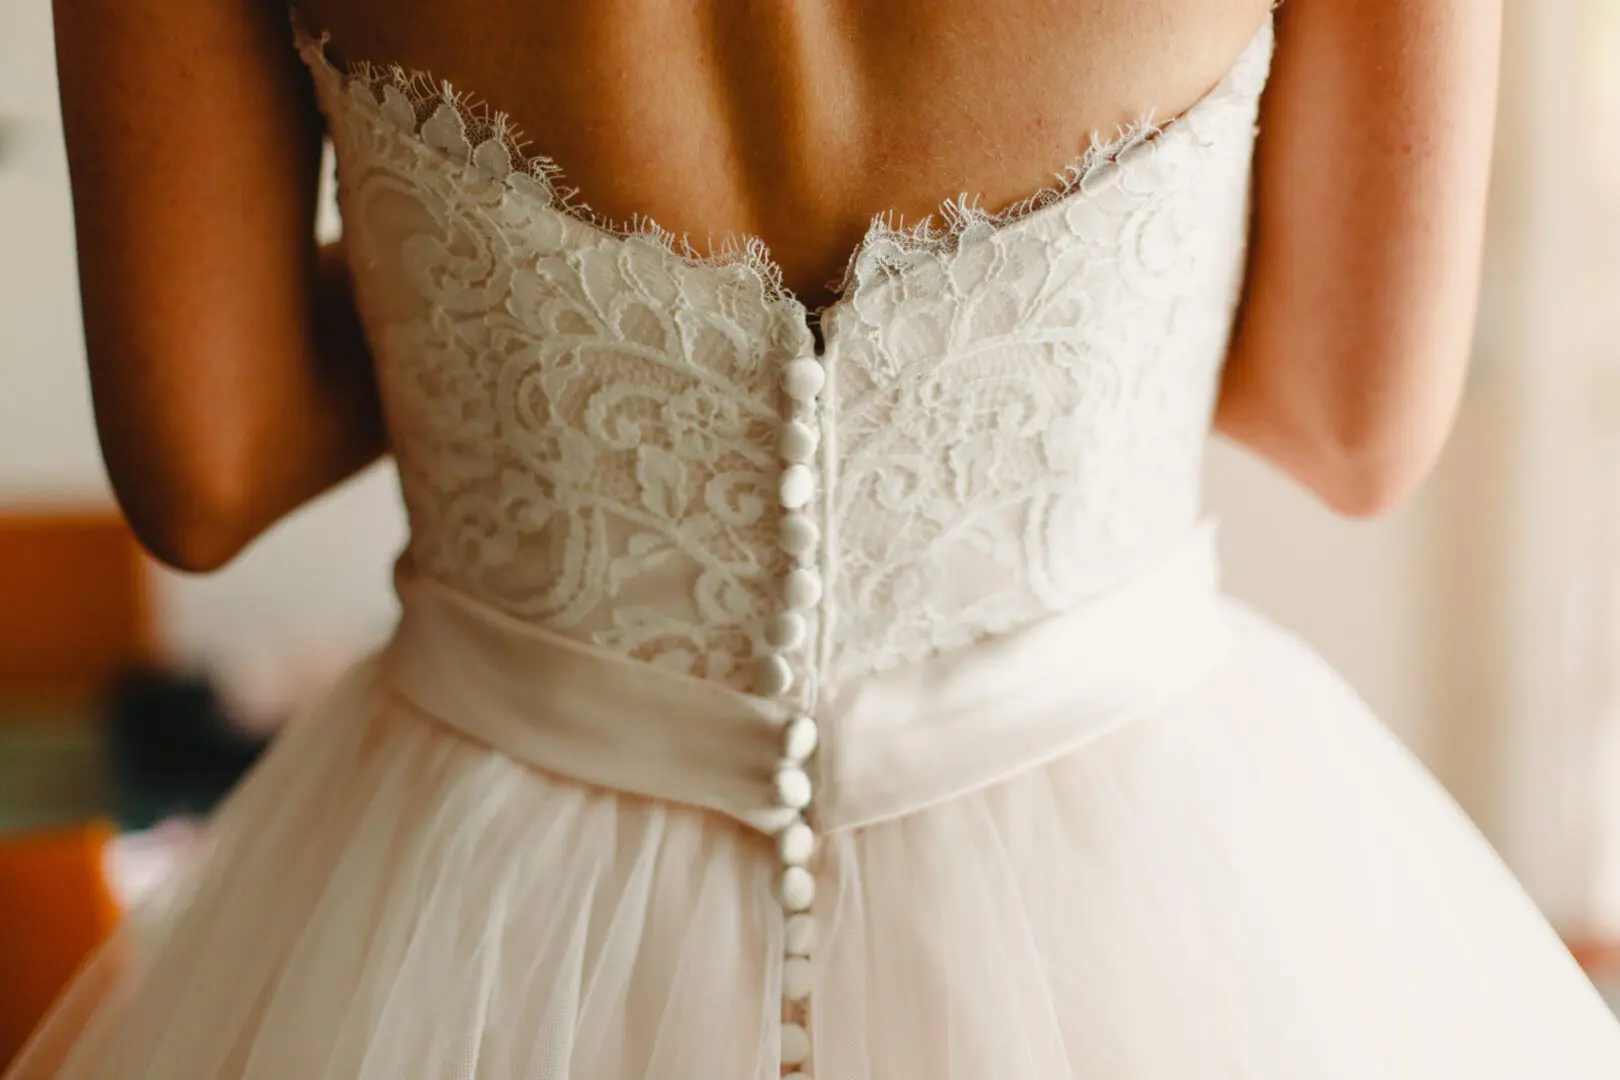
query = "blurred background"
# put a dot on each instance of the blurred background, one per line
(1482, 620)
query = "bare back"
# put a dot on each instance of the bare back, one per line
(798, 122)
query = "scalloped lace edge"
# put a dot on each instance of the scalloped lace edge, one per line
(941, 232)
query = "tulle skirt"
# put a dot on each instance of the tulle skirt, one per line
(1255, 882)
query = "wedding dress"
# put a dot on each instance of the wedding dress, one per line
(844, 694)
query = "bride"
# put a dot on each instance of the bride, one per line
(812, 659)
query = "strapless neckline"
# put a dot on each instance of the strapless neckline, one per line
(467, 129)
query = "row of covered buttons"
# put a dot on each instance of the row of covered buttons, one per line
(785, 633)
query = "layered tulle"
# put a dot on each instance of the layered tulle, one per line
(1256, 884)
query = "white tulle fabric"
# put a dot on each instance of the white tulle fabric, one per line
(1248, 881)
(1258, 884)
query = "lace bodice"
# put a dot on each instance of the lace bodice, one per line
(595, 426)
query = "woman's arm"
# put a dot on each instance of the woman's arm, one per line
(1349, 357)
(230, 377)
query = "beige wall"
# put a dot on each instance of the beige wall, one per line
(46, 439)
(1348, 587)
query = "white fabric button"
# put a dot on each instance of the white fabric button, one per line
(798, 888)
(803, 379)
(772, 819)
(772, 675)
(798, 484)
(798, 978)
(799, 935)
(799, 738)
(798, 441)
(795, 1044)
(793, 787)
(785, 631)
(797, 534)
(803, 588)
(796, 843)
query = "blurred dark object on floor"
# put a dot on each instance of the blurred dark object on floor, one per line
(174, 749)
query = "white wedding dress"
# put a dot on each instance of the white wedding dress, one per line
(848, 697)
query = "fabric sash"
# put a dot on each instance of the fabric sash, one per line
(890, 743)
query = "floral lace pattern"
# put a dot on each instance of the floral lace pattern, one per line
(1021, 422)
(586, 416)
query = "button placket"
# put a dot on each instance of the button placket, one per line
(786, 636)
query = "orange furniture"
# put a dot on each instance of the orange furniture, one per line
(75, 604)
(55, 909)
(74, 610)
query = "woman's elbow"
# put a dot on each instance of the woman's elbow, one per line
(1366, 470)
(1368, 488)
(1374, 457)
(195, 523)
(1357, 466)
(190, 549)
